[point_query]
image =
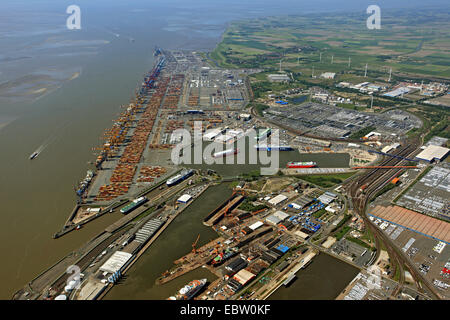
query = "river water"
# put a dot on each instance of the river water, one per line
(37, 196)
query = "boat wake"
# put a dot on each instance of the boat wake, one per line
(53, 138)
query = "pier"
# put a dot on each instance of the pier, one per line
(217, 214)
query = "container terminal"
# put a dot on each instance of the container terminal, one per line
(266, 233)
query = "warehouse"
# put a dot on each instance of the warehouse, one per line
(148, 230)
(397, 92)
(328, 75)
(281, 215)
(277, 200)
(433, 153)
(236, 265)
(278, 77)
(302, 234)
(327, 197)
(243, 277)
(282, 266)
(272, 219)
(256, 225)
(234, 285)
(390, 147)
(185, 198)
(115, 263)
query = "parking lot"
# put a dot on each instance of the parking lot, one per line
(335, 122)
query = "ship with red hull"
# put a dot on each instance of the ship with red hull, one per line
(297, 165)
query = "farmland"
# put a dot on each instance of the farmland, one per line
(409, 45)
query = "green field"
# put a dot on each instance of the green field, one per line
(327, 181)
(409, 42)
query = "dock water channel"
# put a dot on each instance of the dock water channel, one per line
(173, 243)
(323, 279)
(323, 160)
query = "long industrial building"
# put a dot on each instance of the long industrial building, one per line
(422, 224)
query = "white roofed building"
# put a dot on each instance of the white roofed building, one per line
(277, 200)
(116, 262)
(185, 198)
(432, 153)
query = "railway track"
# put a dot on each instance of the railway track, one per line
(374, 180)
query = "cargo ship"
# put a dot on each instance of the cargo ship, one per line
(133, 205)
(157, 52)
(189, 290)
(180, 177)
(84, 184)
(293, 165)
(34, 155)
(273, 147)
(225, 153)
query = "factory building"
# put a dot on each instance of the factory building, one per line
(328, 75)
(397, 92)
(277, 217)
(116, 262)
(327, 197)
(185, 198)
(243, 277)
(277, 200)
(391, 147)
(433, 153)
(278, 77)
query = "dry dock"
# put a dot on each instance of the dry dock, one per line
(192, 261)
(217, 214)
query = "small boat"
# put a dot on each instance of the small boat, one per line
(34, 155)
